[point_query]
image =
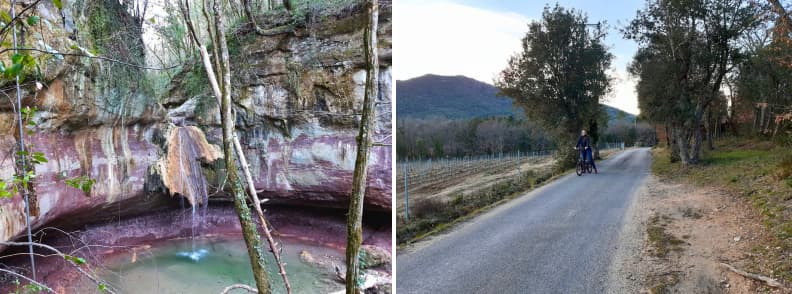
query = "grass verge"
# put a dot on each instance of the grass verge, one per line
(760, 171)
(662, 242)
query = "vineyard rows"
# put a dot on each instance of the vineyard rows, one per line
(422, 172)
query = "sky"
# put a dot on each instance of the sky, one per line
(475, 38)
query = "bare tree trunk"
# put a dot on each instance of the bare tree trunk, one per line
(249, 11)
(673, 144)
(762, 120)
(249, 231)
(257, 206)
(668, 136)
(708, 129)
(355, 216)
(683, 143)
(695, 154)
(287, 5)
(218, 93)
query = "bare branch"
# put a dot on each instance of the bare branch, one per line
(28, 279)
(89, 56)
(16, 18)
(58, 252)
(239, 286)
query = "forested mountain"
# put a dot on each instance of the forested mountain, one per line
(460, 97)
(450, 97)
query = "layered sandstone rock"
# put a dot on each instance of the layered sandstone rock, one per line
(297, 97)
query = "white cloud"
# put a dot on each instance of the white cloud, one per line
(452, 39)
(447, 38)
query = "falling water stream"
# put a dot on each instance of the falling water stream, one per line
(194, 184)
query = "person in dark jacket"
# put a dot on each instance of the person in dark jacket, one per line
(584, 145)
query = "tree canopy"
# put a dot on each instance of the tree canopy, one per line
(560, 76)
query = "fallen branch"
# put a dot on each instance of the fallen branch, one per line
(28, 279)
(767, 280)
(239, 286)
(76, 266)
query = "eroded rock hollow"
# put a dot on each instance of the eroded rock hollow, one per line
(297, 97)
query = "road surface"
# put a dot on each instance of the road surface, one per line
(559, 238)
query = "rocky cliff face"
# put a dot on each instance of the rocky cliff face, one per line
(297, 98)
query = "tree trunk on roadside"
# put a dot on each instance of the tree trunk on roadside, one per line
(708, 129)
(250, 234)
(695, 153)
(683, 143)
(668, 136)
(673, 144)
(762, 120)
(355, 216)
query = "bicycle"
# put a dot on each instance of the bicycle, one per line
(582, 166)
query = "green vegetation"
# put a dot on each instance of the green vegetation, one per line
(661, 284)
(433, 215)
(442, 138)
(681, 74)
(456, 116)
(561, 47)
(760, 171)
(662, 242)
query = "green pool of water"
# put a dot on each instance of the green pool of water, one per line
(174, 267)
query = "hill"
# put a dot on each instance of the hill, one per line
(460, 97)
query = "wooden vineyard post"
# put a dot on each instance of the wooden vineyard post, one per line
(518, 165)
(406, 195)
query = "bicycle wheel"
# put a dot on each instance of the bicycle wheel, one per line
(588, 168)
(579, 168)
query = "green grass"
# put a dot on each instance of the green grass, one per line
(662, 284)
(760, 171)
(662, 242)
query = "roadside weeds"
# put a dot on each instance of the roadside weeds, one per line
(712, 228)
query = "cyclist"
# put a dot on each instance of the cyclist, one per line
(584, 143)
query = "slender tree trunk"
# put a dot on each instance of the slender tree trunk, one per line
(683, 143)
(695, 154)
(673, 144)
(219, 96)
(762, 119)
(708, 129)
(668, 136)
(355, 216)
(250, 234)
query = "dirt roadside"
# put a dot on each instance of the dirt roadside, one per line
(675, 237)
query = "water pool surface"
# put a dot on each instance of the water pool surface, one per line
(209, 265)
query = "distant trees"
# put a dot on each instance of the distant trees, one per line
(630, 133)
(762, 101)
(440, 137)
(686, 50)
(560, 76)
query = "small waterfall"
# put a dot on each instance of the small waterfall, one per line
(190, 183)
